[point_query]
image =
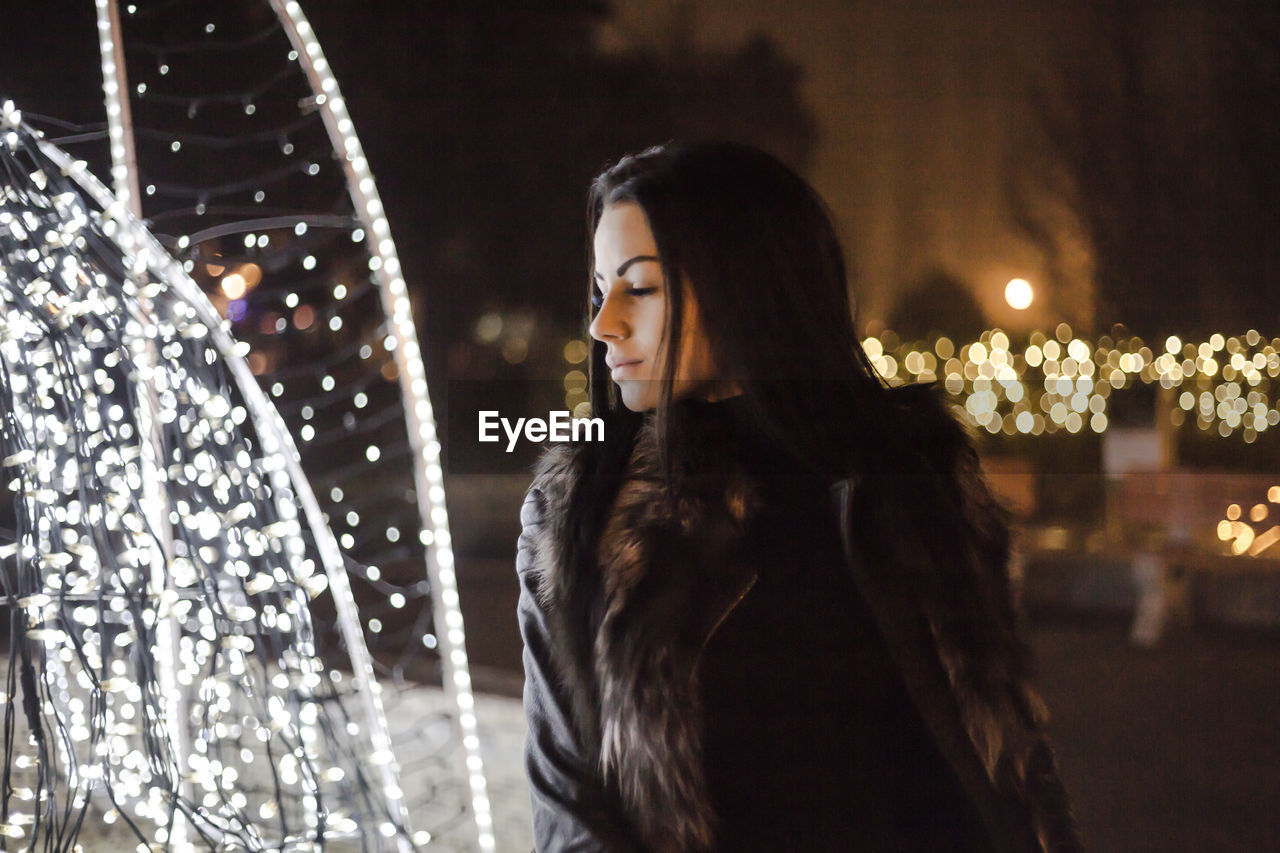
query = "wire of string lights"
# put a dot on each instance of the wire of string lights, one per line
(163, 680)
(252, 175)
(1062, 382)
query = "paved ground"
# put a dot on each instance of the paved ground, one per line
(1175, 748)
(502, 729)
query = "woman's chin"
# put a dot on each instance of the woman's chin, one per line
(636, 395)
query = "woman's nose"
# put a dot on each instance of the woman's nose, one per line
(607, 325)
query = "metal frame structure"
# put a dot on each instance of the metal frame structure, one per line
(427, 469)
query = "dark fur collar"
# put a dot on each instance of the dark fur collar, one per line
(668, 576)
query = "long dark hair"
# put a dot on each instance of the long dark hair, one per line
(756, 245)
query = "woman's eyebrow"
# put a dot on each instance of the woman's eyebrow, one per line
(626, 265)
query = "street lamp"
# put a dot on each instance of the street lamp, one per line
(1018, 294)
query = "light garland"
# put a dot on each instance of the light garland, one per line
(1063, 382)
(97, 317)
(124, 161)
(205, 210)
(1247, 536)
(425, 444)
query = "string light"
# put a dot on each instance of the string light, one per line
(1253, 537)
(104, 344)
(1062, 382)
(124, 174)
(411, 373)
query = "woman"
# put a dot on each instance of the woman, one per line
(771, 610)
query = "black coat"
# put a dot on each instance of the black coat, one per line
(620, 755)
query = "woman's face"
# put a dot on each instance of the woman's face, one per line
(631, 322)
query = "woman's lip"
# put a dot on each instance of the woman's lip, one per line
(623, 366)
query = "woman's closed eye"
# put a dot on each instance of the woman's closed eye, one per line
(597, 298)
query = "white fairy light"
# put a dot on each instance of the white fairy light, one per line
(1061, 382)
(71, 438)
(410, 372)
(124, 174)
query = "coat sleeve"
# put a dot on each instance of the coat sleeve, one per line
(571, 810)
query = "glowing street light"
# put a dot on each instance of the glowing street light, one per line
(1018, 294)
(234, 285)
